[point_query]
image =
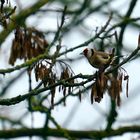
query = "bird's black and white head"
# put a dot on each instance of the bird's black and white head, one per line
(88, 52)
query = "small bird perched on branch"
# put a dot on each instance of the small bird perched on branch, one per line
(98, 59)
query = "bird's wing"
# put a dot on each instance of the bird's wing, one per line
(104, 59)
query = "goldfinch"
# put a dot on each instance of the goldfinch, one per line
(98, 59)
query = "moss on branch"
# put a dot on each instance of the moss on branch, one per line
(44, 132)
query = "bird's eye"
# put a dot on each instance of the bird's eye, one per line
(92, 52)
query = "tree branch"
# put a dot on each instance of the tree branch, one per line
(17, 99)
(44, 132)
(20, 98)
(20, 19)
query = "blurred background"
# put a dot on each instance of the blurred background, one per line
(83, 20)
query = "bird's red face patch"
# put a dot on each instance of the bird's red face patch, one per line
(85, 52)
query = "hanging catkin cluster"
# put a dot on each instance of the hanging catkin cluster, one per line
(44, 72)
(109, 83)
(28, 43)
